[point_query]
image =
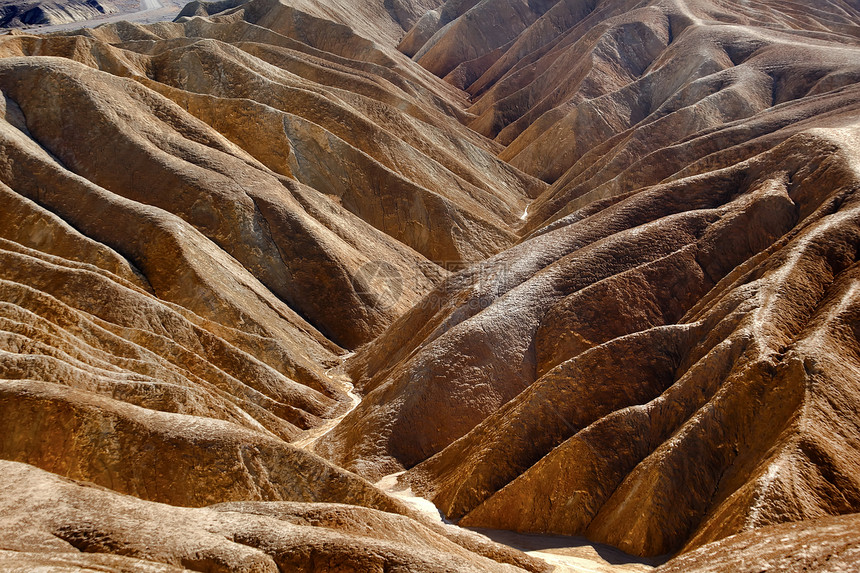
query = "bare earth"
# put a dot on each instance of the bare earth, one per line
(432, 286)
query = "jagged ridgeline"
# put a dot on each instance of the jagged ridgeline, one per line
(574, 267)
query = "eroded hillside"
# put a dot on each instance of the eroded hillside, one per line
(589, 265)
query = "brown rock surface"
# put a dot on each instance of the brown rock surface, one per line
(614, 317)
(631, 316)
(179, 459)
(48, 520)
(684, 291)
(469, 31)
(827, 544)
(742, 377)
(384, 22)
(196, 218)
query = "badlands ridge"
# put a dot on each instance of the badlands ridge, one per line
(572, 267)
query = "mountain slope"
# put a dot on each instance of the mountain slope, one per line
(674, 288)
(578, 267)
(199, 218)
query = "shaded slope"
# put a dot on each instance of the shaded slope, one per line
(384, 22)
(238, 197)
(15, 14)
(602, 97)
(51, 520)
(192, 215)
(751, 270)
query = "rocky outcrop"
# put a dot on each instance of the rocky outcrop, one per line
(180, 459)
(583, 74)
(381, 194)
(674, 136)
(586, 273)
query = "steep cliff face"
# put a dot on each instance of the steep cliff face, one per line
(590, 266)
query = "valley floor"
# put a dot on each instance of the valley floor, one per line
(566, 553)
